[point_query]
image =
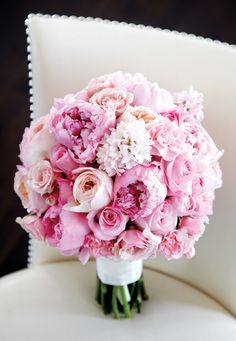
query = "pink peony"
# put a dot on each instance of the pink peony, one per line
(132, 245)
(65, 230)
(194, 205)
(112, 99)
(61, 159)
(80, 126)
(139, 190)
(150, 95)
(31, 200)
(37, 142)
(167, 138)
(189, 104)
(33, 225)
(41, 177)
(92, 190)
(65, 187)
(107, 223)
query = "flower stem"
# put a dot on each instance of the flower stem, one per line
(126, 305)
(114, 302)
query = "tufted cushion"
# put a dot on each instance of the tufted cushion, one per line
(56, 302)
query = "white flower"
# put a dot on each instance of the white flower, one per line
(127, 145)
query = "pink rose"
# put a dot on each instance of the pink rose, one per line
(80, 126)
(167, 138)
(112, 99)
(42, 177)
(176, 244)
(162, 220)
(180, 174)
(132, 245)
(37, 142)
(65, 230)
(61, 159)
(139, 190)
(92, 190)
(107, 223)
(33, 225)
(31, 200)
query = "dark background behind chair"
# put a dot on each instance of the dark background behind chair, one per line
(209, 18)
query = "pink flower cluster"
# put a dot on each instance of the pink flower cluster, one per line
(121, 169)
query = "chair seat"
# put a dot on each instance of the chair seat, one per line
(56, 302)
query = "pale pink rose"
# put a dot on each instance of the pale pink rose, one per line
(139, 190)
(107, 223)
(112, 99)
(92, 190)
(61, 159)
(41, 177)
(132, 245)
(162, 220)
(65, 230)
(194, 227)
(180, 174)
(37, 142)
(80, 126)
(31, 200)
(150, 95)
(138, 113)
(167, 138)
(33, 225)
(176, 244)
(96, 247)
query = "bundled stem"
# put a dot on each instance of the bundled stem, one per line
(115, 299)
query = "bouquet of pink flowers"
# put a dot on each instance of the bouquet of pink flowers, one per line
(122, 171)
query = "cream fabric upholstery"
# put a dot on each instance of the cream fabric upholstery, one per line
(67, 52)
(56, 302)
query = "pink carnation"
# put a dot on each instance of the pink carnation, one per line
(139, 190)
(80, 126)
(167, 138)
(98, 247)
(176, 244)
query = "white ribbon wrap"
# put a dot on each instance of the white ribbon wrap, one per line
(118, 272)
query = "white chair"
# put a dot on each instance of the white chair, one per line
(189, 299)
